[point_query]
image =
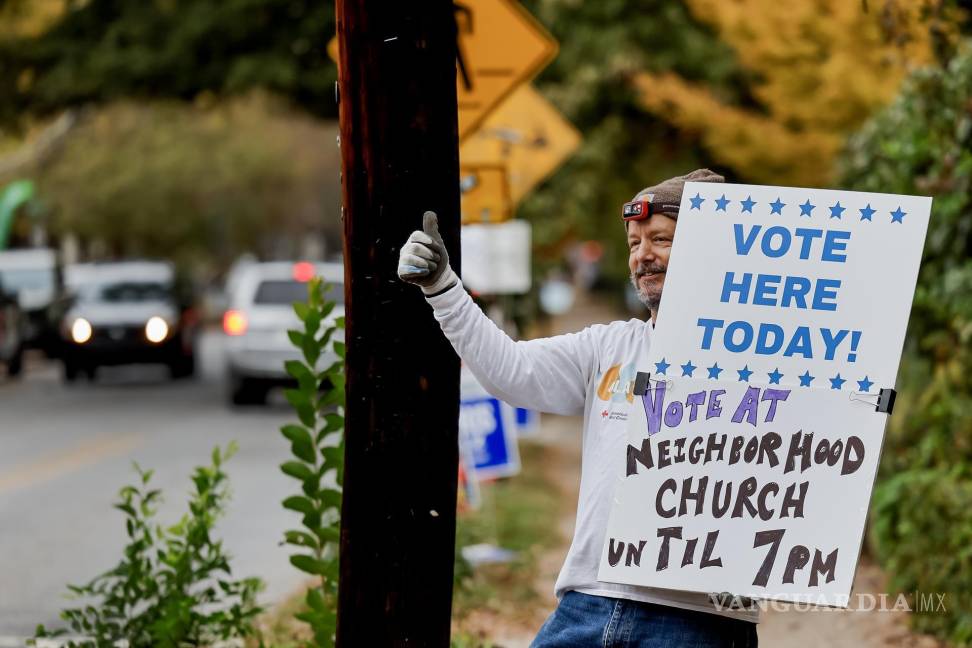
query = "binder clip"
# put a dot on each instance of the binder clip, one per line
(884, 403)
(641, 383)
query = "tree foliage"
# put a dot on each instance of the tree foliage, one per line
(816, 70)
(199, 184)
(602, 45)
(99, 51)
(922, 522)
(28, 17)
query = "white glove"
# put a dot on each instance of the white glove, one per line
(424, 260)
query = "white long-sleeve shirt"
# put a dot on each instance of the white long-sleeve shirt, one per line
(590, 372)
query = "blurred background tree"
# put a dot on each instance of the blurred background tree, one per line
(603, 45)
(100, 50)
(922, 518)
(816, 71)
(197, 184)
(224, 170)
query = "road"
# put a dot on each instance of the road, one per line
(66, 451)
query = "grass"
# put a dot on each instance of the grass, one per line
(521, 514)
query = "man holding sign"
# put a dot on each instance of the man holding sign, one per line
(582, 373)
(755, 439)
(728, 452)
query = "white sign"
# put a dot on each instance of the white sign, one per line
(805, 287)
(496, 257)
(753, 451)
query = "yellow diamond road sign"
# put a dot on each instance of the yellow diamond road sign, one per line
(527, 136)
(485, 194)
(500, 46)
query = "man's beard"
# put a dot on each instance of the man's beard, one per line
(652, 296)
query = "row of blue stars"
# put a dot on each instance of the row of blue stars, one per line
(806, 209)
(688, 369)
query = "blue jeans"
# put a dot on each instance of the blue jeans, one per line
(585, 621)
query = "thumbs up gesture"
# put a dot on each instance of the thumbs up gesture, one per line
(424, 260)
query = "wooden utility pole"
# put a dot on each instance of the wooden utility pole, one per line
(399, 149)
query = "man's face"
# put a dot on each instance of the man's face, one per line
(649, 245)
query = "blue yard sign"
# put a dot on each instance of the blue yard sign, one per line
(487, 431)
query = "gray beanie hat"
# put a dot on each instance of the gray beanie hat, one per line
(666, 196)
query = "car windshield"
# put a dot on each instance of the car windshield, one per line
(27, 279)
(284, 292)
(126, 292)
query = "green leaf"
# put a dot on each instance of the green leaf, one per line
(333, 458)
(340, 349)
(311, 520)
(296, 433)
(333, 422)
(301, 539)
(300, 504)
(302, 310)
(328, 534)
(315, 600)
(312, 324)
(304, 450)
(297, 470)
(327, 308)
(311, 350)
(335, 367)
(301, 402)
(310, 565)
(315, 291)
(305, 378)
(326, 337)
(296, 338)
(330, 498)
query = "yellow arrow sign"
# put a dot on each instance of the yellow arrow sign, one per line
(527, 136)
(500, 46)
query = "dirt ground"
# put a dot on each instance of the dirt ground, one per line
(857, 628)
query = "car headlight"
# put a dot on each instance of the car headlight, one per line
(156, 329)
(80, 330)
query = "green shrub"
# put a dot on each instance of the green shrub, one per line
(172, 587)
(317, 446)
(922, 534)
(922, 517)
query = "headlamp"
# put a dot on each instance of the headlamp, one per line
(637, 210)
(643, 207)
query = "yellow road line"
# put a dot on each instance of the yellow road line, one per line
(67, 461)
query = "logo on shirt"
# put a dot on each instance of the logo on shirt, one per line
(617, 386)
(617, 383)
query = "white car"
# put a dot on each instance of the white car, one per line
(260, 299)
(34, 275)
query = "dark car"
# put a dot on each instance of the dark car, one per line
(11, 333)
(127, 313)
